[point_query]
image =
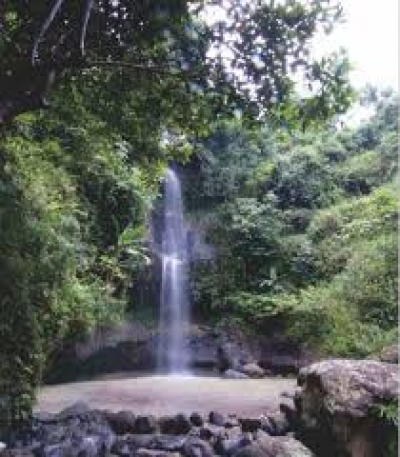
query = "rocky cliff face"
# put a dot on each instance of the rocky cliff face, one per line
(132, 346)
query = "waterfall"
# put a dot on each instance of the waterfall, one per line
(174, 309)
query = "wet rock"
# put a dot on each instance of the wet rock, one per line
(122, 422)
(253, 370)
(145, 424)
(62, 449)
(155, 453)
(229, 446)
(286, 394)
(195, 447)
(16, 453)
(91, 446)
(129, 444)
(289, 411)
(233, 374)
(183, 424)
(168, 442)
(217, 418)
(197, 419)
(336, 406)
(232, 354)
(167, 425)
(209, 431)
(284, 364)
(268, 446)
(279, 424)
(231, 422)
(249, 424)
(75, 410)
(175, 425)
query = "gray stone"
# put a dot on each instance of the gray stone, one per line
(183, 424)
(217, 418)
(129, 444)
(348, 387)
(250, 424)
(167, 425)
(155, 453)
(252, 370)
(209, 431)
(197, 419)
(337, 401)
(195, 447)
(168, 442)
(280, 424)
(268, 446)
(145, 424)
(229, 446)
(122, 422)
(234, 374)
(77, 409)
(16, 453)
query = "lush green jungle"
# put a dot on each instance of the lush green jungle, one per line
(300, 208)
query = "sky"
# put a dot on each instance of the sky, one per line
(371, 37)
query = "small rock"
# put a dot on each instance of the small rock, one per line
(266, 425)
(268, 446)
(195, 447)
(122, 422)
(250, 424)
(231, 422)
(229, 446)
(167, 425)
(183, 424)
(63, 449)
(16, 453)
(280, 425)
(91, 446)
(289, 411)
(197, 419)
(286, 394)
(253, 370)
(77, 409)
(217, 418)
(129, 444)
(168, 442)
(209, 431)
(145, 424)
(155, 453)
(233, 374)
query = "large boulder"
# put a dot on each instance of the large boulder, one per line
(338, 406)
(269, 446)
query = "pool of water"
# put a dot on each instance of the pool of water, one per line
(165, 394)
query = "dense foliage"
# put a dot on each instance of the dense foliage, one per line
(73, 199)
(296, 218)
(304, 227)
(244, 60)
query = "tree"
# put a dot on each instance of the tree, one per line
(244, 61)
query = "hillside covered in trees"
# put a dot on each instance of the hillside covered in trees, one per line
(304, 230)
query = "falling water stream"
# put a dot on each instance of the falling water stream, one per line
(174, 310)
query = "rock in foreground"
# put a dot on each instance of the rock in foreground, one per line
(340, 406)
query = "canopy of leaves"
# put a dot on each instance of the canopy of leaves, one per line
(246, 61)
